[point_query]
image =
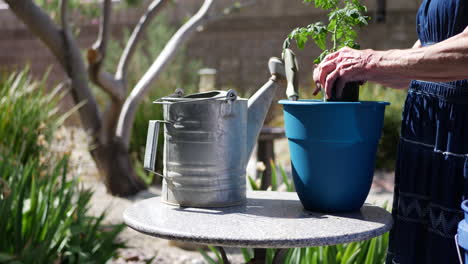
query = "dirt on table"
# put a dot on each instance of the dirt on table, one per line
(142, 248)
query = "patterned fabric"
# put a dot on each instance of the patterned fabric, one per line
(430, 174)
(432, 165)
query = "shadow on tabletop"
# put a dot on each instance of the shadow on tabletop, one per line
(284, 209)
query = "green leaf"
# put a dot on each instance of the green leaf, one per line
(207, 257)
(216, 252)
(350, 249)
(315, 257)
(274, 179)
(343, 21)
(253, 184)
(370, 258)
(325, 4)
(246, 253)
(270, 254)
(289, 185)
(352, 257)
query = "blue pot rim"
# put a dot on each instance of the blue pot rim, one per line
(320, 102)
(464, 206)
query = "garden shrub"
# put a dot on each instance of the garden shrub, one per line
(24, 109)
(43, 217)
(43, 213)
(387, 150)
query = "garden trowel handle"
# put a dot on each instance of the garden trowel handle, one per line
(292, 68)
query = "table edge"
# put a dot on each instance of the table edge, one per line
(250, 243)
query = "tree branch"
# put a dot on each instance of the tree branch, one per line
(96, 55)
(67, 53)
(182, 35)
(40, 25)
(153, 9)
(104, 28)
(64, 16)
(76, 69)
(113, 87)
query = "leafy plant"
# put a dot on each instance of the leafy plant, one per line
(387, 151)
(210, 260)
(43, 214)
(344, 18)
(43, 219)
(288, 184)
(24, 110)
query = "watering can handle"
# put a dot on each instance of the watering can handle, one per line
(151, 148)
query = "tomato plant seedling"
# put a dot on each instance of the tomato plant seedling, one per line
(344, 18)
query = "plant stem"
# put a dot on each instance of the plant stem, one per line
(334, 39)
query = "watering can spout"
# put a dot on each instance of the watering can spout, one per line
(260, 102)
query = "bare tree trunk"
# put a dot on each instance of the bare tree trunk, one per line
(111, 134)
(114, 163)
(111, 157)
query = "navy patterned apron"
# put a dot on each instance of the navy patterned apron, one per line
(432, 164)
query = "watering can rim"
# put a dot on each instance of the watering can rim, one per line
(320, 102)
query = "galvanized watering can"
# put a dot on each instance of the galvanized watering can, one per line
(208, 139)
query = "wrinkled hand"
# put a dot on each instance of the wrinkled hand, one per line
(341, 67)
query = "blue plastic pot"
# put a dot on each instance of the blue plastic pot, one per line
(333, 147)
(462, 232)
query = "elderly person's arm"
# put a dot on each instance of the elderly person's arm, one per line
(441, 62)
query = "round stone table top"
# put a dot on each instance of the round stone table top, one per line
(267, 220)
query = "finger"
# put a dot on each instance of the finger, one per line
(339, 87)
(329, 83)
(317, 89)
(343, 75)
(315, 74)
(324, 70)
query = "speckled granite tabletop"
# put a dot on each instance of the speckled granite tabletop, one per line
(268, 220)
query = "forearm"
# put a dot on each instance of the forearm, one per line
(441, 62)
